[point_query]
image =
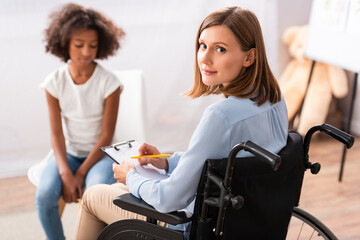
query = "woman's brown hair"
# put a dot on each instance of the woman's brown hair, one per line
(256, 81)
(72, 17)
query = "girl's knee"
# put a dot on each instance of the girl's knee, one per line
(101, 173)
(46, 199)
(100, 178)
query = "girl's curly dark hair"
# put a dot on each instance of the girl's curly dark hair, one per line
(73, 17)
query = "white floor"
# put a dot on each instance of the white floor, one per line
(22, 223)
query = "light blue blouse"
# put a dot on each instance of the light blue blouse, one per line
(222, 126)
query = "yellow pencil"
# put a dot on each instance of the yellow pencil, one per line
(153, 156)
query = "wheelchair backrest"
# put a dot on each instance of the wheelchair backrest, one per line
(269, 196)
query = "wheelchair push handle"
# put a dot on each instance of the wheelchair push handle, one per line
(339, 135)
(271, 158)
(334, 132)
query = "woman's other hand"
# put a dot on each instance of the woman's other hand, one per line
(147, 149)
(121, 171)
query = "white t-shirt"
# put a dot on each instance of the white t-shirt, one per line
(82, 106)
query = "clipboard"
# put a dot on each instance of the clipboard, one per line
(123, 151)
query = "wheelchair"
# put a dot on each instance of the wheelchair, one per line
(239, 198)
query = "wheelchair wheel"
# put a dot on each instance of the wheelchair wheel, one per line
(305, 226)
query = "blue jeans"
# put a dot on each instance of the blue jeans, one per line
(49, 191)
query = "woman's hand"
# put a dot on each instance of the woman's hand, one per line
(121, 171)
(147, 149)
(71, 188)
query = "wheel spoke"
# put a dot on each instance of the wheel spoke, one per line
(304, 226)
(313, 234)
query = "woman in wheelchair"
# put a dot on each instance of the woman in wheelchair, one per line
(230, 60)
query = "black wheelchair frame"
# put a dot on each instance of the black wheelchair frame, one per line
(219, 204)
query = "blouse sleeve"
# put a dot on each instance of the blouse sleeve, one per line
(173, 161)
(210, 140)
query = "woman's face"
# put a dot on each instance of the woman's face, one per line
(220, 57)
(83, 46)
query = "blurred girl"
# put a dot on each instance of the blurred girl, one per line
(83, 100)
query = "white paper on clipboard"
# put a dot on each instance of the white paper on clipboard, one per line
(123, 151)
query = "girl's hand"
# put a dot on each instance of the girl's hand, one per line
(147, 149)
(121, 171)
(71, 188)
(81, 179)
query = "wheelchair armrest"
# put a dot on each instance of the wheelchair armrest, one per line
(133, 204)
